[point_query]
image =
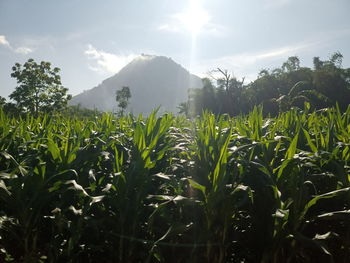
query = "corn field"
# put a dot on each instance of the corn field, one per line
(169, 189)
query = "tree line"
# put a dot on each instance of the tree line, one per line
(39, 89)
(277, 90)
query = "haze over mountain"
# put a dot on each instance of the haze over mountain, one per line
(153, 81)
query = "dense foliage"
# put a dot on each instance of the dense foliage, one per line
(39, 88)
(215, 189)
(277, 90)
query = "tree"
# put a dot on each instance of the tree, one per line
(122, 96)
(292, 64)
(2, 101)
(336, 59)
(39, 87)
(317, 63)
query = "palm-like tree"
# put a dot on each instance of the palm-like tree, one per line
(184, 108)
(300, 93)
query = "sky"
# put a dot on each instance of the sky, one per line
(91, 40)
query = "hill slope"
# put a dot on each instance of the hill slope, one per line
(153, 81)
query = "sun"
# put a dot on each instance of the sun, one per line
(194, 18)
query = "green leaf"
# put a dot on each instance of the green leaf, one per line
(162, 176)
(53, 149)
(197, 186)
(309, 141)
(4, 188)
(335, 215)
(328, 195)
(96, 199)
(314, 244)
(73, 185)
(293, 147)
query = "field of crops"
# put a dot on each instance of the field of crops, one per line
(167, 189)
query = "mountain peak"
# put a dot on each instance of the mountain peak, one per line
(146, 59)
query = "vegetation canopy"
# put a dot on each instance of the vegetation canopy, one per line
(39, 88)
(290, 85)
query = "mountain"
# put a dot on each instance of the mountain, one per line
(153, 81)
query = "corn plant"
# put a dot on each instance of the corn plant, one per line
(168, 189)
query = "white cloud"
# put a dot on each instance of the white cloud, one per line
(23, 50)
(3, 41)
(248, 64)
(105, 62)
(283, 51)
(244, 59)
(20, 50)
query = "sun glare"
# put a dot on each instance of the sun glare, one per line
(194, 18)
